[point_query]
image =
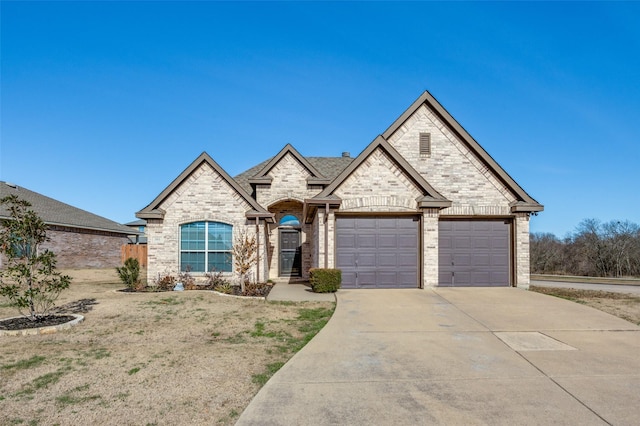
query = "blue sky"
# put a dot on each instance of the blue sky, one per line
(103, 104)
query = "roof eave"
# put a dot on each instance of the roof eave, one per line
(523, 207)
(434, 204)
(150, 214)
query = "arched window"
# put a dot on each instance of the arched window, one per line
(289, 220)
(206, 246)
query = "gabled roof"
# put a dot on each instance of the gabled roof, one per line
(329, 167)
(153, 210)
(54, 212)
(528, 203)
(263, 175)
(432, 197)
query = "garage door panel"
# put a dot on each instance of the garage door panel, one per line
(378, 252)
(366, 278)
(346, 223)
(407, 260)
(482, 243)
(366, 260)
(387, 259)
(481, 260)
(365, 241)
(348, 279)
(408, 242)
(461, 241)
(386, 224)
(474, 253)
(345, 261)
(346, 241)
(389, 241)
(366, 223)
(407, 279)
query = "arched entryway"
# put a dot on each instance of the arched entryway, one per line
(288, 241)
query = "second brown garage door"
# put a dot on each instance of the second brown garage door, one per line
(474, 253)
(378, 251)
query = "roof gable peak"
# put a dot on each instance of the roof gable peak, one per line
(435, 198)
(432, 104)
(262, 177)
(153, 210)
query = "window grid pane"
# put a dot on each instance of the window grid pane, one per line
(206, 246)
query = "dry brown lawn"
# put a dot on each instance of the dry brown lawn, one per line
(171, 358)
(622, 305)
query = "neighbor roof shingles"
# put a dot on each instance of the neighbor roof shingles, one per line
(54, 212)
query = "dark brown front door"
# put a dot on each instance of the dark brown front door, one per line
(290, 253)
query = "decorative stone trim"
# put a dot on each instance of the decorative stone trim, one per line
(43, 330)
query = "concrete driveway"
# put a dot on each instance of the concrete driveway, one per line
(458, 356)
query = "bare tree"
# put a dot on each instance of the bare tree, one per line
(611, 249)
(245, 255)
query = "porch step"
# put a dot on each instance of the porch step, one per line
(290, 280)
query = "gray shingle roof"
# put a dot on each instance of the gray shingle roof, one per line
(330, 167)
(54, 212)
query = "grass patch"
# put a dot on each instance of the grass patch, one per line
(621, 305)
(67, 399)
(262, 378)
(25, 364)
(133, 371)
(165, 301)
(309, 322)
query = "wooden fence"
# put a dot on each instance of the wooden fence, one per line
(137, 251)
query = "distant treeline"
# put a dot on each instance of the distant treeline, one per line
(595, 249)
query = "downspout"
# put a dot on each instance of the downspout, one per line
(326, 235)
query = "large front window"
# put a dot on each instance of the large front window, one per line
(206, 246)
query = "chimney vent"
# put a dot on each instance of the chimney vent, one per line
(346, 154)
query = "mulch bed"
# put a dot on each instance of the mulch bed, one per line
(23, 323)
(56, 318)
(251, 290)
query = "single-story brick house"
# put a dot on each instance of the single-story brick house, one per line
(423, 205)
(78, 238)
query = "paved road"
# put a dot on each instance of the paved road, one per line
(454, 356)
(616, 288)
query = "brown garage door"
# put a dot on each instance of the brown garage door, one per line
(474, 253)
(378, 251)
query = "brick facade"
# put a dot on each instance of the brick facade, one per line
(456, 178)
(83, 248)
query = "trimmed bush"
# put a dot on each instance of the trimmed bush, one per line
(325, 280)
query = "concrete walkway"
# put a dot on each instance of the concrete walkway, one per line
(298, 292)
(458, 356)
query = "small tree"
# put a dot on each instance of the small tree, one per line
(130, 273)
(245, 255)
(29, 280)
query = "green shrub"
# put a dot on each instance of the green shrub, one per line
(130, 273)
(325, 280)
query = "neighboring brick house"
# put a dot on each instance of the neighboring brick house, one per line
(78, 238)
(423, 205)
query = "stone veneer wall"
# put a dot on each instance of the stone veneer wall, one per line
(289, 182)
(203, 196)
(522, 264)
(451, 168)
